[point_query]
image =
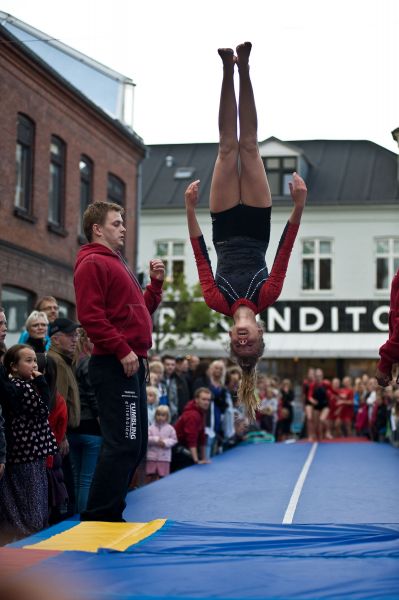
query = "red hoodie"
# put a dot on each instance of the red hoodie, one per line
(190, 426)
(110, 303)
(389, 352)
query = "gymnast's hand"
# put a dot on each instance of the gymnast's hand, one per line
(383, 379)
(191, 194)
(298, 190)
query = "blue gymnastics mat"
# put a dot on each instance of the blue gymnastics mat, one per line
(229, 542)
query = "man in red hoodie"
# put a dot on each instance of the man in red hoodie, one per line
(389, 352)
(117, 318)
(190, 431)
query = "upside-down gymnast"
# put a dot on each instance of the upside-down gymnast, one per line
(240, 205)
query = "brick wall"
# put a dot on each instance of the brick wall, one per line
(31, 256)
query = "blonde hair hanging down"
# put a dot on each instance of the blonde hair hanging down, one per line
(247, 396)
(247, 388)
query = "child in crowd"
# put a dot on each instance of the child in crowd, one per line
(161, 439)
(156, 369)
(268, 410)
(152, 402)
(24, 488)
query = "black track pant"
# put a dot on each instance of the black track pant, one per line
(122, 406)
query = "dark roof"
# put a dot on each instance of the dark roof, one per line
(125, 131)
(340, 172)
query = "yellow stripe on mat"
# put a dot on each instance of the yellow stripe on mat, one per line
(89, 536)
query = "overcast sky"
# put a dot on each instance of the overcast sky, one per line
(321, 70)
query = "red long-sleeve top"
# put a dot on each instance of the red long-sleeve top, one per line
(218, 294)
(110, 303)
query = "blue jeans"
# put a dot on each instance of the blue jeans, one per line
(83, 451)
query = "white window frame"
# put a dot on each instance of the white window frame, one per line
(169, 258)
(390, 256)
(316, 256)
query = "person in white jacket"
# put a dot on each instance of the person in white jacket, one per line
(161, 439)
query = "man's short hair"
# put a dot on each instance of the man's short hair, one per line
(96, 214)
(38, 305)
(168, 357)
(200, 390)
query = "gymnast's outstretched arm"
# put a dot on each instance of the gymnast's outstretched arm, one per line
(191, 199)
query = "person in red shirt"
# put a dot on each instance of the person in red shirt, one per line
(116, 315)
(344, 407)
(389, 352)
(240, 204)
(190, 431)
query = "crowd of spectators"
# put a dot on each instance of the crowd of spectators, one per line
(53, 434)
(349, 407)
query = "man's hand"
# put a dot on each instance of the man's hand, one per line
(157, 269)
(191, 194)
(130, 364)
(2, 469)
(382, 378)
(298, 190)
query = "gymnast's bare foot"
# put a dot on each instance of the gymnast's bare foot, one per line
(243, 52)
(227, 56)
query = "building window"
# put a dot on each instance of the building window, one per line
(57, 182)
(116, 190)
(279, 172)
(24, 164)
(17, 304)
(316, 264)
(86, 186)
(66, 309)
(172, 254)
(387, 261)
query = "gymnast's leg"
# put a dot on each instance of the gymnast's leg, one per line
(225, 186)
(254, 187)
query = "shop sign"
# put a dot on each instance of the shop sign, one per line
(343, 316)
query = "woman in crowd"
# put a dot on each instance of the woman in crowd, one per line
(36, 326)
(286, 411)
(240, 204)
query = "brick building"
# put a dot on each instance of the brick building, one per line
(60, 150)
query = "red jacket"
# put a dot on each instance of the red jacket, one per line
(389, 352)
(110, 303)
(58, 420)
(190, 426)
